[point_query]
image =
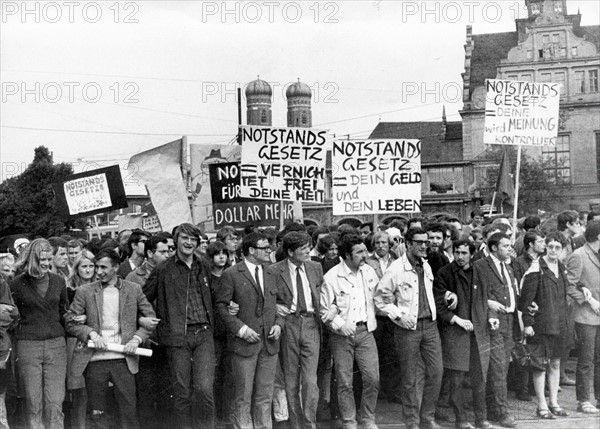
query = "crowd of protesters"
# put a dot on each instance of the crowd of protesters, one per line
(308, 325)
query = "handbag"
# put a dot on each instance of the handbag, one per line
(530, 356)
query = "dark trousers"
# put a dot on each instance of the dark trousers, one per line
(588, 363)
(152, 383)
(97, 376)
(501, 345)
(425, 342)
(192, 369)
(300, 358)
(389, 368)
(254, 379)
(457, 393)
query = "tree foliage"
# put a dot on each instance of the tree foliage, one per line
(536, 190)
(27, 203)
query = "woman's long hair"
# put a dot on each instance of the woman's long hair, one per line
(74, 279)
(29, 259)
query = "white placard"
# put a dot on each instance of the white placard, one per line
(521, 113)
(283, 163)
(376, 176)
(87, 193)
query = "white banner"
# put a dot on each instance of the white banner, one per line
(284, 163)
(521, 113)
(376, 176)
(87, 193)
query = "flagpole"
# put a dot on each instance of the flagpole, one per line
(516, 205)
(492, 205)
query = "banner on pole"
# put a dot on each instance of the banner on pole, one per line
(521, 113)
(376, 176)
(229, 208)
(94, 191)
(283, 163)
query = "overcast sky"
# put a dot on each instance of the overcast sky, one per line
(97, 82)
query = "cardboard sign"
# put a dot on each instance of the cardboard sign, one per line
(376, 176)
(229, 208)
(91, 192)
(521, 113)
(283, 163)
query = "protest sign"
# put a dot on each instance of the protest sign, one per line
(376, 176)
(521, 113)
(151, 224)
(283, 163)
(94, 191)
(202, 156)
(229, 208)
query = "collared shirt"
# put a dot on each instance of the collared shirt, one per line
(195, 307)
(508, 301)
(305, 286)
(384, 262)
(424, 310)
(357, 311)
(252, 269)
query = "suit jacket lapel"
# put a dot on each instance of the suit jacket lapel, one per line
(592, 256)
(494, 269)
(250, 276)
(287, 278)
(312, 281)
(99, 298)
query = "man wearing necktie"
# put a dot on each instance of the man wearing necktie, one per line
(254, 331)
(493, 273)
(298, 282)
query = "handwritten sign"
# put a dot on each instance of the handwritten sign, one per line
(87, 194)
(151, 224)
(376, 176)
(283, 163)
(229, 208)
(521, 113)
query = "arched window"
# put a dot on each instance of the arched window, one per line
(304, 119)
(263, 116)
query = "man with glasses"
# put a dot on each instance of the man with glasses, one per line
(405, 295)
(298, 282)
(253, 332)
(135, 245)
(183, 298)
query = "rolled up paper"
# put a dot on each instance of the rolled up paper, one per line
(120, 348)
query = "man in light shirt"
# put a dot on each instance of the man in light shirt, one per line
(348, 311)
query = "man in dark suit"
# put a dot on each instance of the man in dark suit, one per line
(497, 277)
(110, 309)
(298, 282)
(464, 333)
(254, 331)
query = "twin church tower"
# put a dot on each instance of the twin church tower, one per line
(258, 102)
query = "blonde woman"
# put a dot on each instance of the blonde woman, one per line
(41, 298)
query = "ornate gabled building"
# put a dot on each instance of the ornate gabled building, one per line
(548, 46)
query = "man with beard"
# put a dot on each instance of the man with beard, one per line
(435, 253)
(347, 310)
(464, 333)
